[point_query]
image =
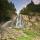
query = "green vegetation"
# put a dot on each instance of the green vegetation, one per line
(24, 38)
(28, 35)
(6, 10)
(31, 9)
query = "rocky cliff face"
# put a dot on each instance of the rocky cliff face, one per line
(32, 22)
(31, 19)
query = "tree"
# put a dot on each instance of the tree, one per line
(5, 10)
(31, 9)
(12, 9)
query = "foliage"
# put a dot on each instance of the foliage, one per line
(6, 9)
(31, 9)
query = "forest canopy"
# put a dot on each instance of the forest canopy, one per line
(6, 10)
(31, 9)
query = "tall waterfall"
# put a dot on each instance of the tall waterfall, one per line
(19, 22)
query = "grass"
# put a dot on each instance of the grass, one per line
(24, 38)
(29, 35)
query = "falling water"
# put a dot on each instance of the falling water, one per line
(19, 22)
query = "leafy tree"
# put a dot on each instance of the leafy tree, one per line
(31, 9)
(12, 9)
(6, 9)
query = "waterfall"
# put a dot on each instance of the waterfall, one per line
(19, 22)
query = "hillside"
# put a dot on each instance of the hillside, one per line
(32, 22)
(31, 30)
(23, 26)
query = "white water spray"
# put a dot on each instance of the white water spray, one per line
(19, 22)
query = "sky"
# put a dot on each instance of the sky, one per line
(19, 4)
